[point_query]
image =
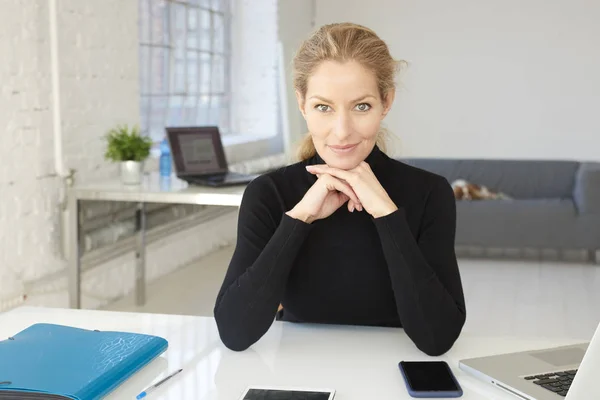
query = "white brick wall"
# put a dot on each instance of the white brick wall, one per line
(99, 88)
(98, 53)
(28, 190)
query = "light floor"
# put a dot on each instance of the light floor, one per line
(531, 298)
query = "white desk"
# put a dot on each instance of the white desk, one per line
(152, 190)
(359, 362)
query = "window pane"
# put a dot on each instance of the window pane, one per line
(178, 27)
(179, 77)
(157, 117)
(205, 73)
(192, 72)
(218, 5)
(219, 33)
(224, 118)
(182, 82)
(201, 3)
(216, 108)
(202, 113)
(205, 30)
(159, 23)
(190, 109)
(193, 28)
(159, 70)
(175, 111)
(218, 74)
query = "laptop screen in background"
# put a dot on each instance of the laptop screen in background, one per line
(198, 153)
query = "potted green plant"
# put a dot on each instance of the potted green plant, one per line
(127, 147)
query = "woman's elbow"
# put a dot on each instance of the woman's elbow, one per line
(233, 336)
(438, 346)
(235, 343)
(230, 336)
(435, 349)
(443, 340)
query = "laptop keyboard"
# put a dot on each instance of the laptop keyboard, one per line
(557, 382)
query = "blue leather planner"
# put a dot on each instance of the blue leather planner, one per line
(47, 361)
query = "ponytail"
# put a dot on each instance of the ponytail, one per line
(306, 148)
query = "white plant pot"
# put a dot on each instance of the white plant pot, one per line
(131, 172)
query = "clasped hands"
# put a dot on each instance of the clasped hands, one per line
(358, 187)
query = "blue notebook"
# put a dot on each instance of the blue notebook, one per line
(48, 361)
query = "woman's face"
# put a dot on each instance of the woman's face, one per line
(343, 110)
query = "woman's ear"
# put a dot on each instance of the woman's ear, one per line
(300, 100)
(388, 101)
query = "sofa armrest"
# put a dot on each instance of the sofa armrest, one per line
(586, 193)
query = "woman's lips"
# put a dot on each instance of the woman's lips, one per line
(343, 149)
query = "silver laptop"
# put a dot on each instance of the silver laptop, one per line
(568, 372)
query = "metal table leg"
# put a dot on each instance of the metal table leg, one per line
(74, 252)
(140, 255)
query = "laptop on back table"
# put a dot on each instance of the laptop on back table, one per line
(199, 158)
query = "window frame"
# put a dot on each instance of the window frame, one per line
(190, 103)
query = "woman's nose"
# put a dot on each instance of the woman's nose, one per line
(343, 126)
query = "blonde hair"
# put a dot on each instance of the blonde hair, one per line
(344, 42)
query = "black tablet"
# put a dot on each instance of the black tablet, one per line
(286, 393)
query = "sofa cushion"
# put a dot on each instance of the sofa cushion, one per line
(519, 179)
(518, 223)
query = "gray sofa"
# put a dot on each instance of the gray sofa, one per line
(553, 205)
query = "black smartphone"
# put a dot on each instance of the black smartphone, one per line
(429, 379)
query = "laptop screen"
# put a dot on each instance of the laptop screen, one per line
(197, 151)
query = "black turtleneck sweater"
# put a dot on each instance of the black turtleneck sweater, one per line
(399, 270)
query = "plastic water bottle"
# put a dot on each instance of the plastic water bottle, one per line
(165, 158)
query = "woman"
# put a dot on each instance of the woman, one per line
(347, 235)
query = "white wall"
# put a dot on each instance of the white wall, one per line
(507, 79)
(254, 102)
(254, 40)
(98, 44)
(295, 23)
(28, 187)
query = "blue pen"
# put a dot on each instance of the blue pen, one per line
(156, 385)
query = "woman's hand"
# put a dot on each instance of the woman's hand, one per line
(362, 180)
(323, 199)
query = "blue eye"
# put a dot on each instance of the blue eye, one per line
(322, 107)
(363, 107)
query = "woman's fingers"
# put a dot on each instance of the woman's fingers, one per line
(335, 172)
(335, 184)
(352, 206)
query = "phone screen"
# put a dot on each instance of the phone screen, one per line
(272, 394)
(432, 376)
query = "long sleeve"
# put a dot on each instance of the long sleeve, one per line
(268, 242)
(424, 272)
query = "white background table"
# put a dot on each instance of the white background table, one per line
(153, 189)
(361, 363)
